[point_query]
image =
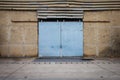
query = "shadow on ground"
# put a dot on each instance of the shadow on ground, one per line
(63, 59)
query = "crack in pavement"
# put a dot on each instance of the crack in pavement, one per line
(13, 72)
(107, 70)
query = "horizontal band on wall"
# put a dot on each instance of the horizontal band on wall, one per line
(96, 21)
(24, 21)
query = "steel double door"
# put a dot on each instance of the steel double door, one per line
(60, 39)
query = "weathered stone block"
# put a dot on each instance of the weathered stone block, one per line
(31, 35)
(4, 34)
(105, 51)
(5, 18)
(4, 50)
(115, 41)
(16, 35)
(31, 50)
(104, 35)
(89, 33)
(24, 16)
(89, 50)
(16, 51)
(97, 16)
(115, 18)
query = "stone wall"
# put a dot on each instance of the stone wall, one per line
(102, 33)
(19, 33)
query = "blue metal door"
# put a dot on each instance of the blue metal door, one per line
(72, 39)
(60, 39)
(49, 39)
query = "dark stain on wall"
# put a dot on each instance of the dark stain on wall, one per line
(114, 49)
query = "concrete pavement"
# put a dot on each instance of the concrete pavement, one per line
(28, 69)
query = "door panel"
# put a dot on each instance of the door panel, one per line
(49, 39)
(60, 39)
(72, 39)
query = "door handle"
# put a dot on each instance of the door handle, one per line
(60, 46)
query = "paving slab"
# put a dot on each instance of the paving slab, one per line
(29, 69)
